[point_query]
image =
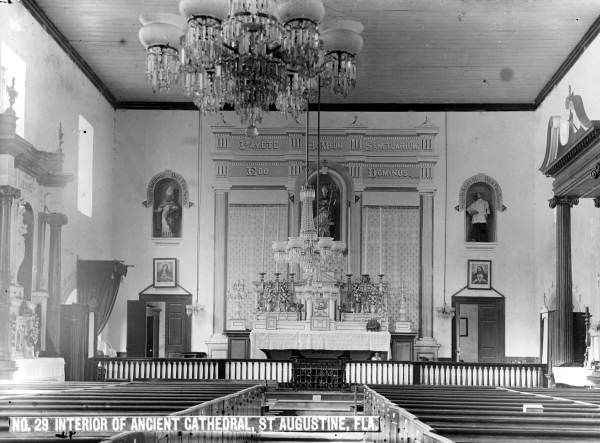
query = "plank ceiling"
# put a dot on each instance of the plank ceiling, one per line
(416, 51)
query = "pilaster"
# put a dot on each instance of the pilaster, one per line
(355, 241)
(426, 347)
(217, 344)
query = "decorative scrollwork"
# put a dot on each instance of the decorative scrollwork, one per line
(595, 172)
(563, 200)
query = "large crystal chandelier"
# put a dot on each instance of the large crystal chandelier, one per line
(250, 54)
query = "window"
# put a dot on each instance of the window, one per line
(85, 166)
(13, 66)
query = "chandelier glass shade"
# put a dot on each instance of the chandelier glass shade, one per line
(250, 54)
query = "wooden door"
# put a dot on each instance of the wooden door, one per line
(136, 328)
(74, 330)
(178, 329)
(491, 332)
(478, 329)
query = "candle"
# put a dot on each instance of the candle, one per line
(262, 245)
(380, 242)
(276, 264)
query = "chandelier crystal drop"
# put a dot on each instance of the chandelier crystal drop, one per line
(341, 43)
(250, 54)
(162, 70)
(160, 34)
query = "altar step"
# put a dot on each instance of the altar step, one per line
(312, 403)
(302, 403)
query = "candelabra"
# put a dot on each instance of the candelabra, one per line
(275, 295)
(367, 296)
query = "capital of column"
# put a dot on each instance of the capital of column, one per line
(563, 200)
(426, 188)
(220, 188)
(9, 193)
(56, 219)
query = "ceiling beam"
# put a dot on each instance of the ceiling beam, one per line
(353, 107)
(62, 41)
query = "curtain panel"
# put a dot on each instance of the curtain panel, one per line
(98, 283)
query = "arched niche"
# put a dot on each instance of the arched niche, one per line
(490, 191)
(167, 193)
(339, 191)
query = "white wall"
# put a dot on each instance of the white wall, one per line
(57, 92)
(146, 143)
(498, 144)
(585, 218)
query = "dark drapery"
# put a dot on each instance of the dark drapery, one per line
(97, 286)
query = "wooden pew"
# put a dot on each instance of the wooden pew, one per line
(84, 399)
(496, 414)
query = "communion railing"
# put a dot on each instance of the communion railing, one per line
(301, 371)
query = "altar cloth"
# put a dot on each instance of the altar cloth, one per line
(320, 340)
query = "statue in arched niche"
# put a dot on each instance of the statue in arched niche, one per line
(480, 197)
(167, 194)
(327, 208)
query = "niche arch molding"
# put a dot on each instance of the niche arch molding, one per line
(167, 174)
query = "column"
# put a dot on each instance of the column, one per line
(562, 327)
(426, 346)
(7, 195)
(56, 221)
(217, 344)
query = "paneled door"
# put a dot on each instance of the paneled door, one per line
(178, 329)
(478, 329)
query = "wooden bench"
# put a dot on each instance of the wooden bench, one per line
(83, 399)
(496, 414)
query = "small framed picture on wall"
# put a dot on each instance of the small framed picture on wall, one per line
(479, 274)
(165, 272)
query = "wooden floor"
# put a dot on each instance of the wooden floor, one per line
(81, 399)
(496, 414)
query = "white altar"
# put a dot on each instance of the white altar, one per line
(342, 340)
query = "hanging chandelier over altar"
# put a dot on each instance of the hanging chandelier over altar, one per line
(250, 54)
(311, 252)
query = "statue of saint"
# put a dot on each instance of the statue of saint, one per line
(479, 211)
(324, 220)
(169, 214)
